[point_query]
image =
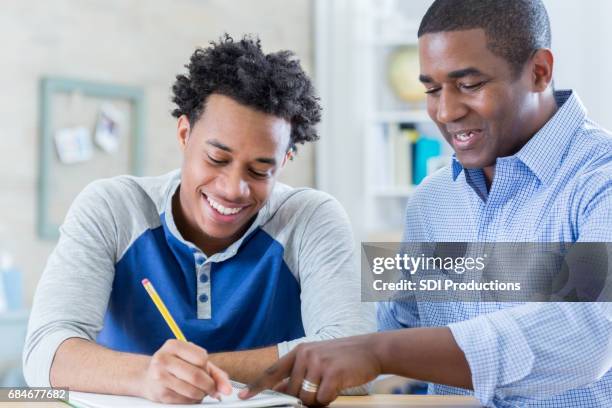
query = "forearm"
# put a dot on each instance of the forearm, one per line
(245, 366)
(82, 365)
(428, 354)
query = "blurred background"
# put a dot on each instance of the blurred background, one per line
(86, 94)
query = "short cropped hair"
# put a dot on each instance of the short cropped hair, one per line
(515, 29)
(271, 83)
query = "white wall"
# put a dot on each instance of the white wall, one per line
(581, 43)
(134, 42)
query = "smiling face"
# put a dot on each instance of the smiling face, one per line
(231, 159)
(483, 109)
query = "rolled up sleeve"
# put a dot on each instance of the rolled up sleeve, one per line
(536, 350)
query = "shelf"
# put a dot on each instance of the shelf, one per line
(365, 121)
(393, 191)
(407, 116)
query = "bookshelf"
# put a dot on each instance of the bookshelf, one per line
(388, 144)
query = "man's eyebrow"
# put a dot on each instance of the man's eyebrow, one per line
(425, 79)
(460, 73)
(266, 160)
(464, 72)
(219, 145)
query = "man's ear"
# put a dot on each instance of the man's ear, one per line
(288, 156)
(183, 130)
(542, 69)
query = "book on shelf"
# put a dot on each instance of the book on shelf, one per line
(402, 146)
(407, 155)
(426, 150)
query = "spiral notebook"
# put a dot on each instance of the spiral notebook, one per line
(264, 399)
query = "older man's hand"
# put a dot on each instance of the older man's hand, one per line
(317, 372)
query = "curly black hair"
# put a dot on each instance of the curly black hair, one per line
(515, 29)
(271, 83)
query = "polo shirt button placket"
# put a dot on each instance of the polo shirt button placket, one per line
(203, 287)
(199, 258)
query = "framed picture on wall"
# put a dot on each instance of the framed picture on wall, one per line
(88, 131)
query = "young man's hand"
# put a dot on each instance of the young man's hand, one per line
(329, 366)
(179, 372)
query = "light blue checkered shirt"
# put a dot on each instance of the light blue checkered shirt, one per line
(557, 188)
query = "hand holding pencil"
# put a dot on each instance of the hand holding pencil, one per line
(179, 372)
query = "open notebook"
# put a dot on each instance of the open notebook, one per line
(265, 399)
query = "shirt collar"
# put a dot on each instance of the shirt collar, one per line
(544, 152)
(457, 167)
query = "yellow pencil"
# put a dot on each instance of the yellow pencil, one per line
(163, 310)
(167, 316)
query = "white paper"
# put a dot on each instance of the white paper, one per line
(73, 145)
(108, 128)
(264, 399)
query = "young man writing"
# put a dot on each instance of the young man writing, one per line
(248, 267)
(529, 166)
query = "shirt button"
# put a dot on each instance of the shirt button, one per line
(200, 261)
(203, 298)
(203, 278)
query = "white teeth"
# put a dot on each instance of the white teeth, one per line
(223, 210)
(464, 136)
